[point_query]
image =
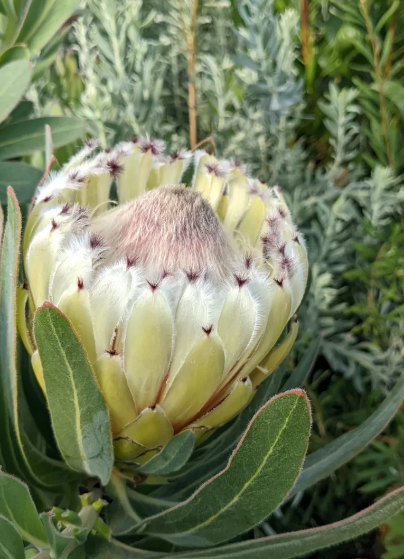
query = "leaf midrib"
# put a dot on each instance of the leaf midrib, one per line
(249, 481)
(75, 399)
(30, 137)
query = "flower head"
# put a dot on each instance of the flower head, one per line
(178, 294)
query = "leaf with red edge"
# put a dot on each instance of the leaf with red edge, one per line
(258, 477)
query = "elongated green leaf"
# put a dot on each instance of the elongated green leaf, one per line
(304, 367)
(23, 138)
(14, 80)
(23, 178)
(256, 480)
(324, 461)
(217, 454)
(25, 446)
(296, 544)
(7, 7)
(37, 12)
(394, 91)
(78, 411)
(11, 545)
(173, 456)
(14, 53)
(97, 548)
(18, 507)
(56, 16)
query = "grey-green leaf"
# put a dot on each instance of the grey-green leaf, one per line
(60, 542)
(97, 548)
(17, 506)
(324, 461)
(173, 456)
(14, 80)
(304, 367)
(23, 138)
(11, 545)
(79, 414)
(55, 17)
(23, 444)
(302, 542)
(258, 477)
(394, 91)
(23, 178)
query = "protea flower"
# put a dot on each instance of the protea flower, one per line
(178, 294)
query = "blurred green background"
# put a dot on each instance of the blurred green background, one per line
(310, 95)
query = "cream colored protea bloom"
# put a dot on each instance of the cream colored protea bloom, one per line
(178, 294)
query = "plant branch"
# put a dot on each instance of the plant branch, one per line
(379, 78)
(190, 41)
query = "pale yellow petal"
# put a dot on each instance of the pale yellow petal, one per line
(115, 390)
(236, 324)
(195, 382)
(37, 366)
(150, 430)
(278, 317)
(253, 220)
(22, 299)
(148, 347)
(232, 404)
(275, 357)
(75, 304)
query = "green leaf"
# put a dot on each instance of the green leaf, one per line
(37, 12)
(173, 456)
(23, 138)
(323, 462)
(97, 548)
(14, 53)
(216, 454)
(304, 368)
(24, 445)
(23, 178)
(7, 8)
(17, 506)
(14, 80)
(394, 91)
(60, 542)
(259, 475)
(79, 414)
(11, 545)
(50, 24)
(302, 542)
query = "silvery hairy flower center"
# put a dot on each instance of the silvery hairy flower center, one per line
(178, 294)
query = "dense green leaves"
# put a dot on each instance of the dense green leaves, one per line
(258, 477)
(14, 80)
(23, 138)
(79, 415)
(173, 456)
(23, 178)
(18, 507)
(11, 545)
(324, 461)
(394, 91)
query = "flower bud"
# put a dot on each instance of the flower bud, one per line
(178, 294)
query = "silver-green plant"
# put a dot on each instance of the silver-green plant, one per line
(29, 36)
(150, 326)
